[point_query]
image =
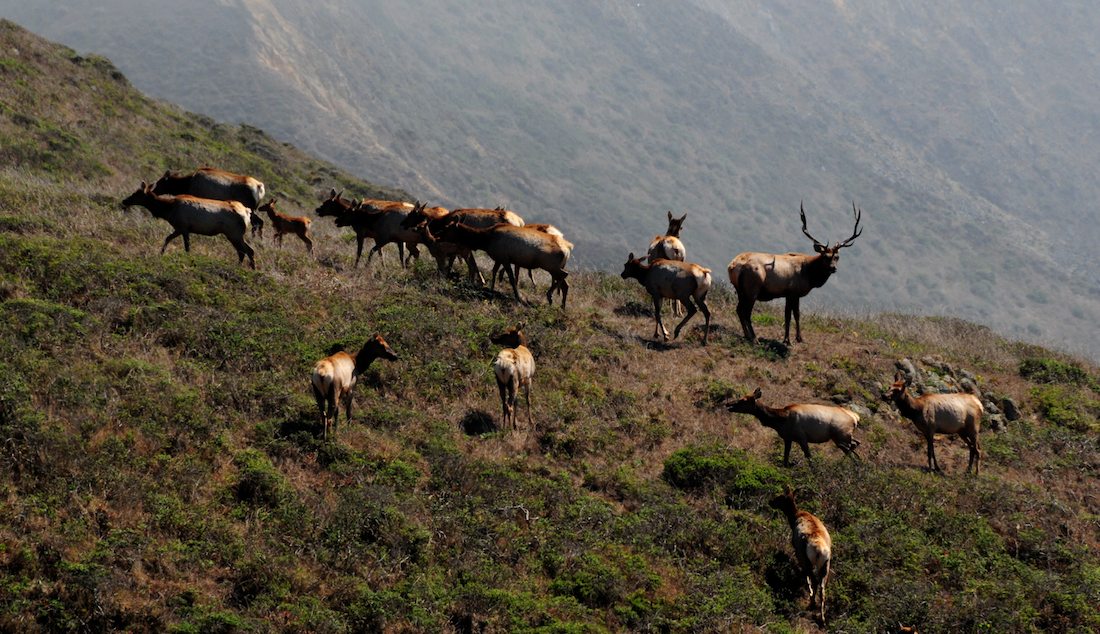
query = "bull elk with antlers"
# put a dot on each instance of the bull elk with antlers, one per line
(767, 276)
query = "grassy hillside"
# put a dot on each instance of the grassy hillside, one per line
(161, 466)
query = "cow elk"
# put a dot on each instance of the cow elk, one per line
(949, 414)
(812, 546)
(216, 184)
(202, 216)
(428, 219)
(284, 224)
(513, 366)
(803, 423)
(335, 376)
(767, 276)
(347, 213)
(669, 247)
(668, 279)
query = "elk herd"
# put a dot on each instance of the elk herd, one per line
(214, 202)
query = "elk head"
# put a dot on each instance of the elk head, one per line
(746, 404)
(831, 254)
(675, 224)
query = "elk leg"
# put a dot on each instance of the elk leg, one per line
(797, 321)
(932, 464)
(788, 308)
(660, 328)
(514, 281)
(493, 277)
(691, 310)
(171, 236)
(503, 389)
(786, 453)
(805, 449)
(706, 315)
(309, 244)
(187, 242)
(744, 314)
(358, 249)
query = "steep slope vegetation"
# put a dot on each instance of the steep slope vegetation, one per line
(161, 466)
(965, 141)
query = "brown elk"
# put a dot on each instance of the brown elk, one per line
(811, 543)
(948, 414)
(285, 224)
(216, 184)
(668, 279)
(335, 376)
(803, 423)
(669, 247)
(514, 367)
(428, 218)
(509, 245)
(203, 216)
(767, 276)
(349, 213)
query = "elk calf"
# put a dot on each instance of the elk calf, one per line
(668, 279)
(812, 546)
(513, 366)
(948, 414)
(285, 224)
(767, 276)
(188, 214)
(803, 423)
(334, 377)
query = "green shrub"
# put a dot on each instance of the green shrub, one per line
(1043, 370)
(738, 474)
(1067, 406)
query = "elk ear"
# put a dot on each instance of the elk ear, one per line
(630, 257)
(683, 217)
(521, 325)
(332, 193)
(757, 393)
(670, 215)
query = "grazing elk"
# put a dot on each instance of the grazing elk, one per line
(202, 216)
(767, 276)
(344, 211)
(669, 247)
(334, 377)
(668, 279)
(209, 182)
(811, 543)
(509, 245)
(445, 252)
(285, 224)
(513, 366)
(803, 423)
(948, 414)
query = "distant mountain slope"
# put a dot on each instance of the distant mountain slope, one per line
(966, 146)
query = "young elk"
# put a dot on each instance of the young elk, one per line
(513, 366)
(334, 377)
(285, 224)
(812, 546)
(767, 276)
(803, 423)
(668, 279)
(947, 414)
(669, 247)
(205, 217)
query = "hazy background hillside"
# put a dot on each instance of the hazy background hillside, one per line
(963, 131)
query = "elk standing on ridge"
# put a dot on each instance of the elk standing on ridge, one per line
(669, 247)
(668, 279)
(334, 377)
(216, 184)
(342, 211)
(514, 367)
(285, 224)
(947, 414)
(812, 546)
(803, 423)
(206, 217)
(509, 245)
(767, 276)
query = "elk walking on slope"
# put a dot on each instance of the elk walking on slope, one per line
(948, 414)
(803, 423)
(205, 217)
(514, 367)
(430, 220)
(284, 224)
(669, 247)
(217, 184)
(342, 211)
(767, 276)
(334, 377)
(668, 279)
(812, 546)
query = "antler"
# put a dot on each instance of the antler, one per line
(802, 212)
(858, 213)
